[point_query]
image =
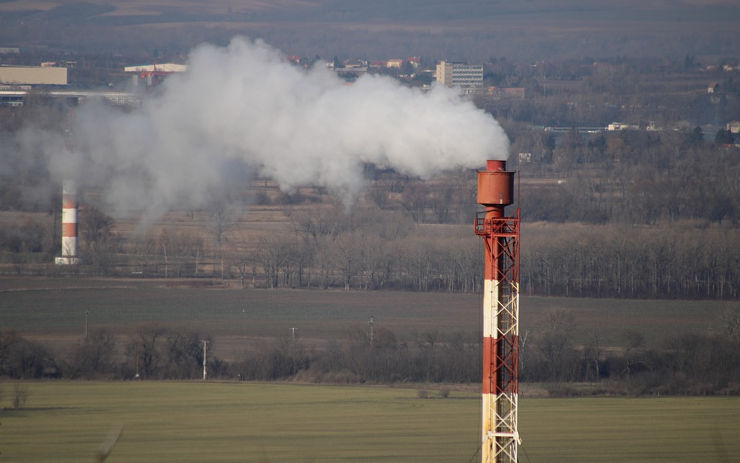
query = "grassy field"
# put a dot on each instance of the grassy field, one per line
(53, 310)
(222, 422)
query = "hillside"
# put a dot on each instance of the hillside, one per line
(474, 30)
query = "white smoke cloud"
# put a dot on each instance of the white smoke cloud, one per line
(245, 105)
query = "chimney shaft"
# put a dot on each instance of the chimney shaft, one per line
(69, 225)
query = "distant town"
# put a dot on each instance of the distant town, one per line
(590, 97)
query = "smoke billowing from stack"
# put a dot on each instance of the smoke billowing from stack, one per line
(243, 110)
(69, 225)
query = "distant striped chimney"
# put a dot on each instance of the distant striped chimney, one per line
(69, 225)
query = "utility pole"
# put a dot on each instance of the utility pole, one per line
(86, 313)
(372, 324)
(205, 351)
(137, 376)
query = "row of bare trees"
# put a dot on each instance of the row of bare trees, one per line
(697, 363)
(370, 249)
(153, 352)
(634, 262)
(632, 177)
(568, 259)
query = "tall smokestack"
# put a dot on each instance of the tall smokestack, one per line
(500, 433)
(69, 225)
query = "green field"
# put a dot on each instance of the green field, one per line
(247, 422)
(55, 308)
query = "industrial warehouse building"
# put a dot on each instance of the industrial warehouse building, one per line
(33, 75)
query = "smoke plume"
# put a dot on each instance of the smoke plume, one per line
(244, 108)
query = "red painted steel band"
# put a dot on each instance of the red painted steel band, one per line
(489, 380)
(69, 230)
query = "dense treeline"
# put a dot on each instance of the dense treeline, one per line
(685, 363)
(633, 262)
(633, 177)
(371, 250)
(596, 92)
(153, 352)
(570, 260)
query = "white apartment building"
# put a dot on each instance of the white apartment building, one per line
(469, 77)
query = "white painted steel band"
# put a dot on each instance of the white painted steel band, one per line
(516, 309)
(490, 424)
(490, 308)
(69, 215)
(69, 246)
(488, 449)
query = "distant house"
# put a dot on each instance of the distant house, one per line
(351, 68)
(414, 61)
(617, 126)
(355, 64)
(713, 88)
(733, 126)
(157, 67)
(154, 73)
(394, 63)
(506, 92)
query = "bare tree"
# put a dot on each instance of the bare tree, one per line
(98, 238)
(145, 350)
(94, 357)
(222, 219)
(349, 255)
(20, 395)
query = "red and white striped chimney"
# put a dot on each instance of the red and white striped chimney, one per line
(500, 433)
(69, 225)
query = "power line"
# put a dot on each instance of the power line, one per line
(525, 453)
(477, 451)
